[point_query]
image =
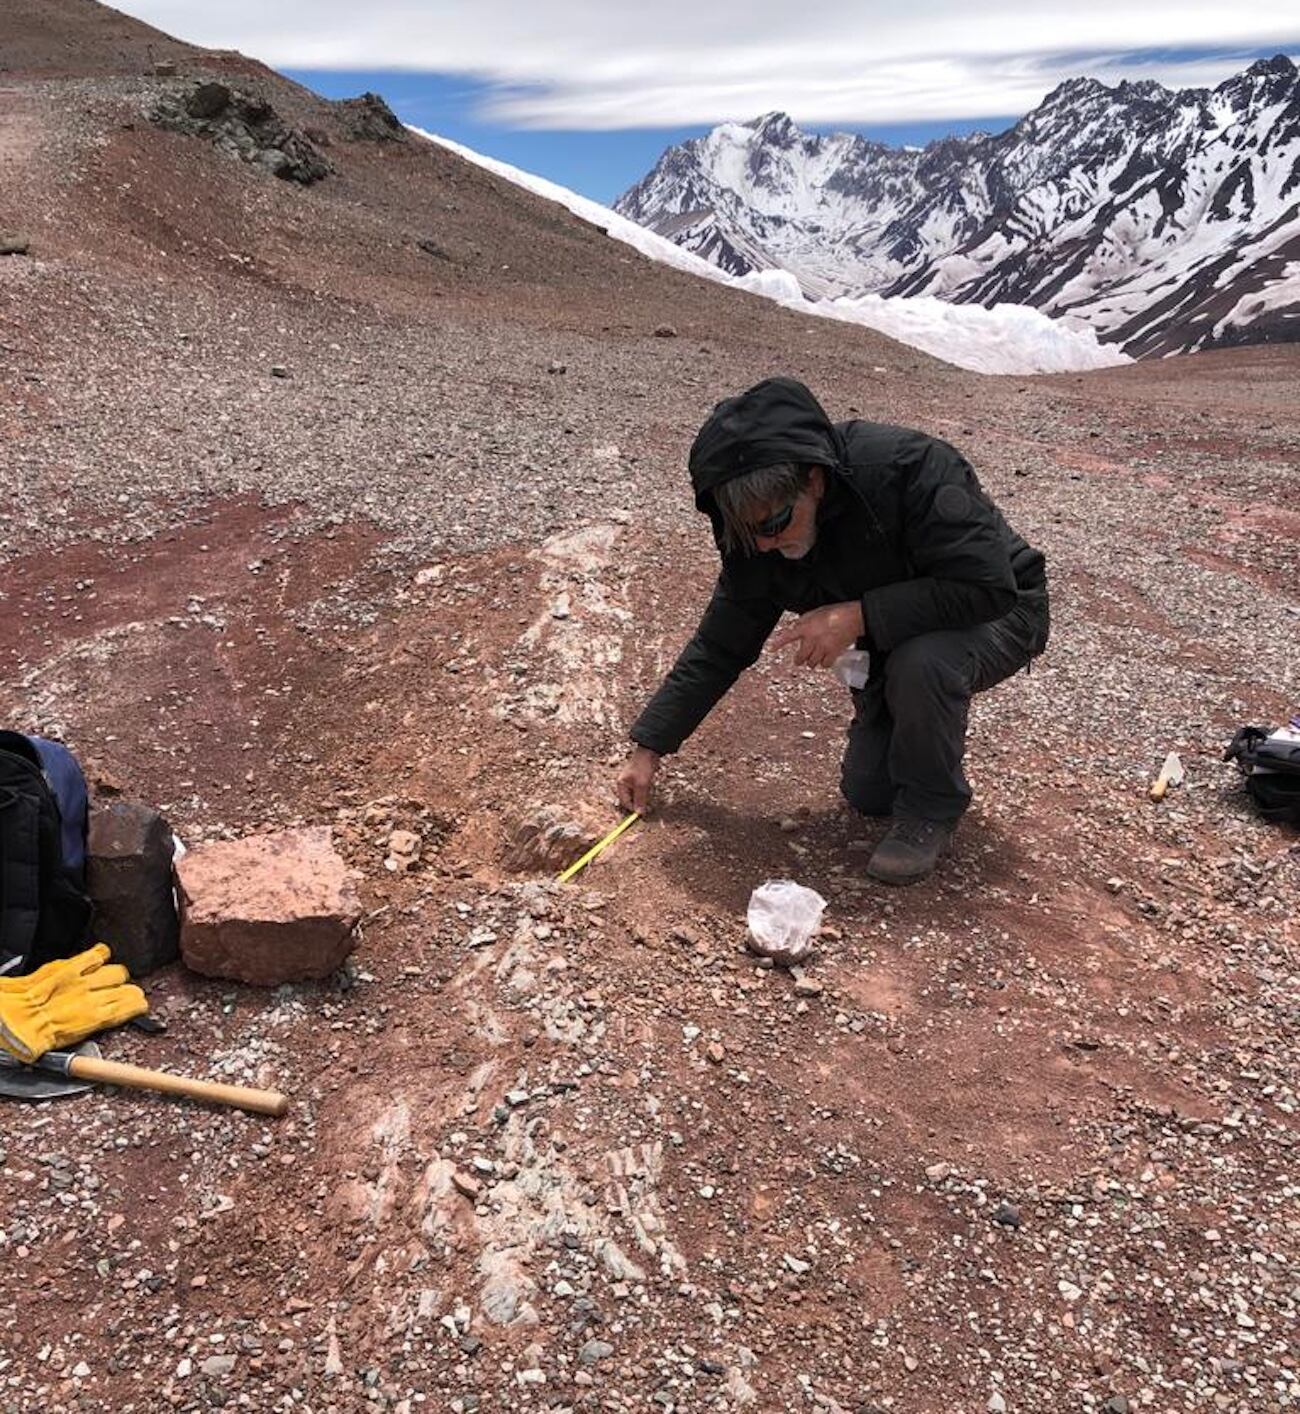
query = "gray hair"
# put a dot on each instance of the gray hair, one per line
(743, 497)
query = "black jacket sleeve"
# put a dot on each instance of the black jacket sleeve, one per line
(958, 545)
(729, 639)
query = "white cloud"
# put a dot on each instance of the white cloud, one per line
(591, 64)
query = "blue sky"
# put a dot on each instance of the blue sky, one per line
(599, 164)
(589, 92)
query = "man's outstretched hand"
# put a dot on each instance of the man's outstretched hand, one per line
(823, 634)
(635, 782)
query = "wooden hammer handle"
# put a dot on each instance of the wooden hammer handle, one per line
(136, 1077)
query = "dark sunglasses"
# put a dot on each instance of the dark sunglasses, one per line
(775, 523)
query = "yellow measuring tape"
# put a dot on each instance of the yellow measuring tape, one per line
(596, 849)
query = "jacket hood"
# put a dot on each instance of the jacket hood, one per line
(777, 420)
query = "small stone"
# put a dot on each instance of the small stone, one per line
(716, 1052)
(81, 1371)
(1007, 1214)
(665, 331)
(796, 1264)
(996, 1404)
(1069, 1291)
(278, 370)
(938, 1172)
(184, 1368)
(217, 1367)
(555, 366)
(11, 244)
(466, 1184)
(808, 987)
(789, 825)
(1117, 1404)
(594, 1351)
(405, 844)
(1115, 885)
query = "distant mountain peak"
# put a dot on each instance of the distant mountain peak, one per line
(1143, 88)
(775, 125)
(1280, 65)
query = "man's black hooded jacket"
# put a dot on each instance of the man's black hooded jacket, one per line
(903, 526)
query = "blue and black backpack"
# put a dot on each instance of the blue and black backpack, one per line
(44, 908)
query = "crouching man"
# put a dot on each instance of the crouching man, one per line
(878, 537)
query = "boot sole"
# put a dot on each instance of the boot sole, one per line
(900, 881)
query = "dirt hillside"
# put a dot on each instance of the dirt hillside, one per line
(362, 503)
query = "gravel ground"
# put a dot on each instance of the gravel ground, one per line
(1022, 1138)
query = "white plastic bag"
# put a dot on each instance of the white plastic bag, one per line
(783, 920)
(853, 667)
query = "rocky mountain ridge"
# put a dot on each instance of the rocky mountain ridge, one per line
(1167, 221)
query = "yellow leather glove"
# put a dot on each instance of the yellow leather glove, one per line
(40, 985)
(77, 1005)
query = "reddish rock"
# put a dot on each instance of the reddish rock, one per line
(269, 908)
(551, 837)
(129, 879)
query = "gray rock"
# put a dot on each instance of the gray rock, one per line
(274, 160)
(129, 879)
(218, 1366)
(501, 1302)
(246, 126)
(370, 119)
(1007, 1214)
(11, 244)
(595, 1351)
(208, 100)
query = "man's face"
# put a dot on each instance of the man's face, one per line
(796, 537)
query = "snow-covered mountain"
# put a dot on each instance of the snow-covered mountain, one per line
(1166, 221)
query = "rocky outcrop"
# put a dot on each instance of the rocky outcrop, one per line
(269, 908)
(550, 838)
(244, 126)
(370, 119)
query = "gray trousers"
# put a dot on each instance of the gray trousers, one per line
(908, 734)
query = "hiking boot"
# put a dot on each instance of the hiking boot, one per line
(910, 850)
